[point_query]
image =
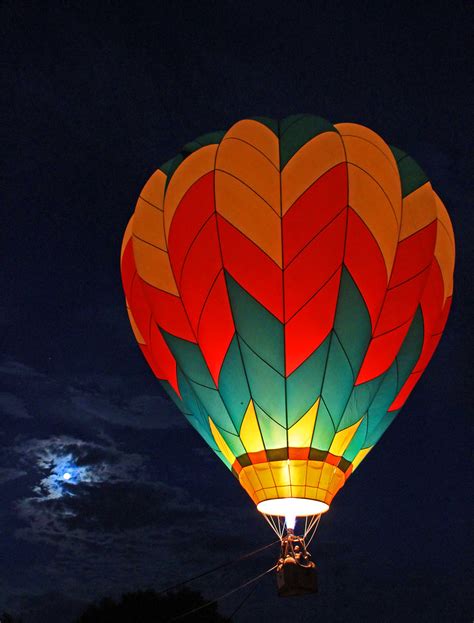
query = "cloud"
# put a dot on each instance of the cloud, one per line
(13, 406)
(10, 473)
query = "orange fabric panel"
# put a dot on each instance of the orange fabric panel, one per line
(368, 200)
(250, 214)
(154, 189)
(314, 210)
(378, 165)
(153, 266)
(216, 327)
(148, 224)
(252, 168)
(361, 132)
(309, 163)
(419, 210)
(312, 268)
(126, 236)
(189, 171)
(259, 136)
(311, 325)
(127, 266)
(251, 268)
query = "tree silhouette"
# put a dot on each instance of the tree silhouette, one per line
(151, 607)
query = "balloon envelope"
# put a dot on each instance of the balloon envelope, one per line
(288, 283)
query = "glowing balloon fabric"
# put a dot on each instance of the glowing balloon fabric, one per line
(288, 282)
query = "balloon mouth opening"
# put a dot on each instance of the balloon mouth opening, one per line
(291, 508)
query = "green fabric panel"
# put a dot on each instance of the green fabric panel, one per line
(324, 430)
(352, 412)
(410, 350)
(338, 380)
(380, 429)
(274, 436)
(199, 420)
(352, 322)
(233, 441)
(214, 406)
(381, 402)
(175, 398)
(357, 442)
(233, 386)
(258, 327)
(359, 401)
(190, 359)
(170, 166)
(397, 153)
(298, 130)
(303, 386)
(412, 175)
(266, 385)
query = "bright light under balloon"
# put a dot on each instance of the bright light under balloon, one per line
(291, 508)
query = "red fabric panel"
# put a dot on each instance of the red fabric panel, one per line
(298, 454)
(168, 312)
(128, 268)
(381, 353)
(314, 265)
(365, 262)
(251, 268)
(194, 209)
(140, 308)
(258, 457)
(401, 303)
(414, 254)
(310, 326)
(216, 327)
(316, 207)
(164, 364)
(332, 459)
(200, 269)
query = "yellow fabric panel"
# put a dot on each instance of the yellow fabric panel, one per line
(444, 253)
(369, 157)
(308, 164)
(315, 469)
(153, 266)
(250, 214)
(418, 210)
(298, 471)
(267, 481)
(258, 135)
(126, 236)
(343, 438)
(264, 475)
(154, 189)
(252, 168)
(281, 473)
(221, 444)
(360, 456)
(189, 171)
(327, 475)
(135, 329)
(360, 131)
(297, 491)
(301, 433)
(148, 224)
(250, 434)
(368, 200)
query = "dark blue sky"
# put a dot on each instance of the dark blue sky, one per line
(96, 96)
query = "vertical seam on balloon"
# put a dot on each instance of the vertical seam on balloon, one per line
(178, 283)
(241, 140)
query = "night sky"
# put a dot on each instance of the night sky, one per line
(96, 96)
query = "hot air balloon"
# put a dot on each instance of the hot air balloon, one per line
(288, 283)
